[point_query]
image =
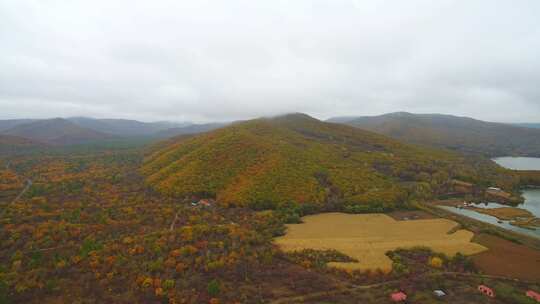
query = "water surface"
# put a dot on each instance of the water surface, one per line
(531, 196)
(519, 163)
(493, 220)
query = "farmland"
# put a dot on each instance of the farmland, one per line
(367, 237)
(507, 258)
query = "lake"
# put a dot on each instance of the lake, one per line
(519, 163)
(531, 196)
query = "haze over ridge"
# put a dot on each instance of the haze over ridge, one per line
(202, 61)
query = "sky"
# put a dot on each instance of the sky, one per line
(237, 59)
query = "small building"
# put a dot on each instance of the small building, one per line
(486, 290)
(203, 203)
(439, 293)
(494, 189)
(533, 295)
(398, 296)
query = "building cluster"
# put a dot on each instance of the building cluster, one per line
(401, 297)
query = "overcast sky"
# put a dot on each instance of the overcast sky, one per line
(224, 60)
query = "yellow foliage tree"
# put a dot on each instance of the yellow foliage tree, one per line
(436, 262)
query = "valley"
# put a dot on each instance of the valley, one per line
(269, 152)
(212, 218)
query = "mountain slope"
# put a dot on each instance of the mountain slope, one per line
(10, 123)
(124, 127)
(529, 125)
(296, 158)
(12, 144)
(458, 133)
(55, 131)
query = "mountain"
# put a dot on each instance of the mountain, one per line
(528, 125)
(462, 134)
(296, 158)
(57, 131)
(190, 129)
(10, 123)
(124, 127)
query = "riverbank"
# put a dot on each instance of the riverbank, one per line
(509, 253)
(502, 215)
(478, 226)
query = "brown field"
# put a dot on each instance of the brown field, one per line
(507, 259)
(367, 237)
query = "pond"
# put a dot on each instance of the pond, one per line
(531, 196)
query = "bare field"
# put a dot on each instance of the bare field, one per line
(367, 237)
(508, 259)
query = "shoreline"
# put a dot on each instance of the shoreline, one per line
(478, 226)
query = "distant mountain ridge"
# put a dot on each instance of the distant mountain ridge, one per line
(77, 130)
(462, 134)
(56, 131)
(125, 127)
(10, 123)
(189, 129)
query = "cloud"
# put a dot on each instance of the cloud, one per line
(223, 60)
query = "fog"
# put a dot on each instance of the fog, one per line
(227, 60)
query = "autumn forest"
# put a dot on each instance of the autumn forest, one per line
(193, 219)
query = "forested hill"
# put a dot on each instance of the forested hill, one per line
(457, 133)
(296, 158)
(13, 144)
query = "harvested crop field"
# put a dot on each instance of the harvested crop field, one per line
(507, 259)
(367, 237)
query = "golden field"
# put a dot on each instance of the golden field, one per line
(367, 237)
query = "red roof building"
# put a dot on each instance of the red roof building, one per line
(533, 295)
(398, 296)
(486, 290)
(205, 202)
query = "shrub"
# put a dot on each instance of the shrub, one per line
(435, 262)
(214, 288)
(512, 295)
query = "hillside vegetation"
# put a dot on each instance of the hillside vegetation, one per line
(266, 162)
(462, 134)
(14, 144)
